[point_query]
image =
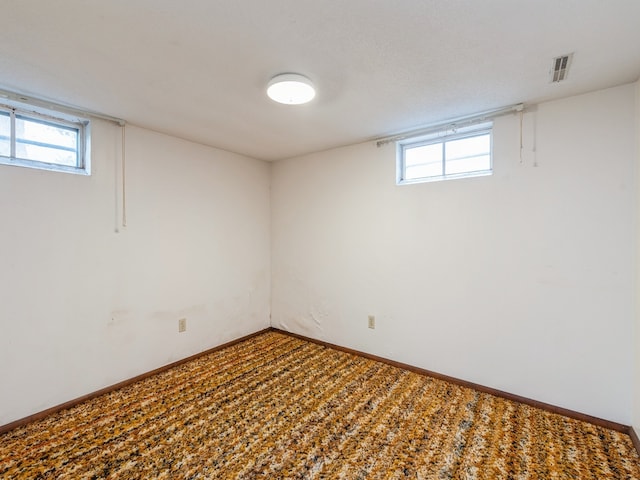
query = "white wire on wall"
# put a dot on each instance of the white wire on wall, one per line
(528, 136)
(120, 184)
(124, 176)
(521, 142)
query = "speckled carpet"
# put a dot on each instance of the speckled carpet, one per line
(276, 407)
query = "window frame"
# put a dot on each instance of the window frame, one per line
(55, 119)
(443, 137)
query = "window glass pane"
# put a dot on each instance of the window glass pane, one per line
(42, 141)
(44, 154)
(470, 146)
(423, 161)
(471, 154)
(5, 134)
(469, 164)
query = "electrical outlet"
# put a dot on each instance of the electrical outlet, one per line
(182, 325)
(372, 322)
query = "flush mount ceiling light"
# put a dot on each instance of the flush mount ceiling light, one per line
(291, 89)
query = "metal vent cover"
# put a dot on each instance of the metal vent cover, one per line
(560, 68)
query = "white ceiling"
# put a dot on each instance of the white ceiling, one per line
(198, 69)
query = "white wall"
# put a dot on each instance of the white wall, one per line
(84, 307)
(520, 281)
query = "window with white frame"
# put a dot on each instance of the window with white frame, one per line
(35, 137)
(455, 153)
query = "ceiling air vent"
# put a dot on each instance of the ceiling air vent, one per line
(560, 68)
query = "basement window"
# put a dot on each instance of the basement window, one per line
(454, 153)
(35, 137)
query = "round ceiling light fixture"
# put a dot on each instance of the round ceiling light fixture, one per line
(291, 89)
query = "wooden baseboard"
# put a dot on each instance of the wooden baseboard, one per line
(492, 391)
(89, 396)
(634, 439)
